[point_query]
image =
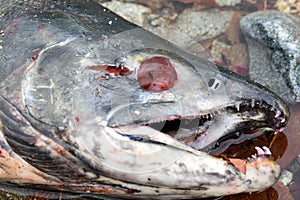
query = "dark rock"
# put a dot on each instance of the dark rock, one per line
(274, 48)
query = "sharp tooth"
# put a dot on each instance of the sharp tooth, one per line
(282, 120)
(277, 114)
(237, 106)
(252, 103)
(260, 103)
(273, 106)
(267, 150)
(211, 115)
(250, 159)
(281, 129)
(260, 151)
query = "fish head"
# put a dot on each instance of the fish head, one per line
(186, 97)
(157, 105)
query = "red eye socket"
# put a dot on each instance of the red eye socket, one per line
(156, 74)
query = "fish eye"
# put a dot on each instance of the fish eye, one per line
(156, 74)
(214, 83)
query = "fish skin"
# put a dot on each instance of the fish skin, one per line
(61, 131)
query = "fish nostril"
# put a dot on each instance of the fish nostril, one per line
(214, 83)
(156, 74)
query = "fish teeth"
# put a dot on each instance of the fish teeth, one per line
(281, 129)
(267, 150)
(207, 116)
(237, 106)
(273, 106)
(263, 151)
(277, 113)
(260, 151)
(252, 103)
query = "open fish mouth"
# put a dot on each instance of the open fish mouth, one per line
(273, 122)
(237, 123)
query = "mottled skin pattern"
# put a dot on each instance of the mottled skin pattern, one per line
(67, 128)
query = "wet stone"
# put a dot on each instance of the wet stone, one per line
(286, 177)
(274, 49)
(134, 13)
(203, 24)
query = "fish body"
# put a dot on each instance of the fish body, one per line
(93, 105)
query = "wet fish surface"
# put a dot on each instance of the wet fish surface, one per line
(92, 105)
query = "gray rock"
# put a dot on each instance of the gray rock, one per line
(274, 49)
(227, 2)
(130, 11)
(286, 177)
(203, 24)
